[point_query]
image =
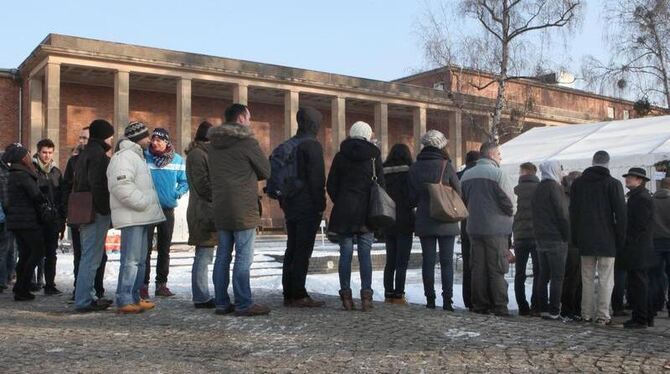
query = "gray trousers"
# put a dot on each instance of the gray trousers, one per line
(489, 265)
(552, 256)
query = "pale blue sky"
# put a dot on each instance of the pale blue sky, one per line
(365, 38)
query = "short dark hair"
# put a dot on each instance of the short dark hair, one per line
(400, 154)
(665, 183)
(472, 156)
(487, 147)
(529, 167)
(45, 143)
(234, 111)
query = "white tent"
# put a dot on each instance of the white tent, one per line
(631, 143)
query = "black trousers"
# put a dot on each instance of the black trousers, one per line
(658, 276)
(398, 250)
(523, 250)
(638, 294)
(619, 291)
(100, 273)
(299, 247)
(51, 247)
(31, 251)
(163, 243)
(467, 272)
(571, 301)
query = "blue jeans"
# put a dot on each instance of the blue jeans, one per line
(243, 241)
(199, 278)
(92, 248)
(364, 245)
(429, 254)
(131, 269)
(7, 256)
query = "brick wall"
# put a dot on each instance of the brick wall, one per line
(9, 111)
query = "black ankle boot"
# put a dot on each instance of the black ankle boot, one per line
(430, 302)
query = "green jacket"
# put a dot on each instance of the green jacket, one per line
(201, 230)
(236, 165)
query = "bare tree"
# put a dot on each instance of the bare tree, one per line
(638, 34)
(502, 46)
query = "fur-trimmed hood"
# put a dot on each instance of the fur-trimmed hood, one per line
(228, 134)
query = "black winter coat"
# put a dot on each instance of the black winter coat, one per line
(310, 201)
(349, 182)
(638, 252)
(550, 213)
(53, 188)
(397, 186)
(91, 174)
(597, 213)
(23, 199)
(428, 169)
(523, 219)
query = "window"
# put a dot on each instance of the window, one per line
(626, 115)
(610, 112)
(438, 86)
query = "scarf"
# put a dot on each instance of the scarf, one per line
(162, 159)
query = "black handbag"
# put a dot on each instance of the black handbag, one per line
(381, 208)
(47, 212)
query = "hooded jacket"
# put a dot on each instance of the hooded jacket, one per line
(638, 252)
(550, 211)
(91, 174)
(310, 201)
(597, 213)
(23, 199)
(523, 219)
(488, 195)
(199, 214)
(236, 164)
(349, 183)
(170, 180)
(428, 169)
(133, 198)
(662, 220)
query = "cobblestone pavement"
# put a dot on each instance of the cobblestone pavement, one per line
(46, 336)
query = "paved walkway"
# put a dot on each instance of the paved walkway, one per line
(46, 336)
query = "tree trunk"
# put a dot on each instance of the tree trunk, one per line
(494, 131)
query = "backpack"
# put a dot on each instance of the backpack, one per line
(283, 181)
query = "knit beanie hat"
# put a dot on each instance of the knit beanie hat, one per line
(136, 131)
(14, 152)
(434, 138)
(201, 134)
(161, 133)
(361, 129)
(100, 129)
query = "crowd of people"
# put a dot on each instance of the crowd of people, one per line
(578, 229)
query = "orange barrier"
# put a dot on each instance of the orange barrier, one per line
(113, 241)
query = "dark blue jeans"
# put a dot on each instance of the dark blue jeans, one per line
(398, 249)
(363, 246)
(523, 250)
(429, 250)
(658, 280)
(243, 243)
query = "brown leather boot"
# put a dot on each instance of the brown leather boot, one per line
(366, 298)
(347, 300)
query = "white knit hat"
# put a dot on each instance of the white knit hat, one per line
(361, 129)
(434, 138)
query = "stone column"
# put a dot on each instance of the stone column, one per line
(241, 94)
(52, 83)
(121, 102)
(183, 113)
(291, 103)
(419, 126)
(382, 127)
(338, 124)
(36, 87)
(456, 137)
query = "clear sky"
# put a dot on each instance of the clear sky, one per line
(364, 38)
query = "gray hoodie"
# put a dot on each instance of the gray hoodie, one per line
(551, 169)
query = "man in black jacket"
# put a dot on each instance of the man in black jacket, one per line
(50, 181)
(303, 210)
(638, 254)
(91, 176)
(524, 240)
(551, 227)
(661, 246)
(598, 229)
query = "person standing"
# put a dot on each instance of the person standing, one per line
(488, 196)
(399, 237)
(22, 211)
(349, 184)
(433, 165)
(598, 229)
(134, 205)
(303, 209)
(571, 297)
(7, 242)
(524, 241)
(169, 174)
(201, 230)
(471, 159)
(51, 185)
(552, 229)
(662, 247)
(637, 255)
(236, 165)
(91, 176)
